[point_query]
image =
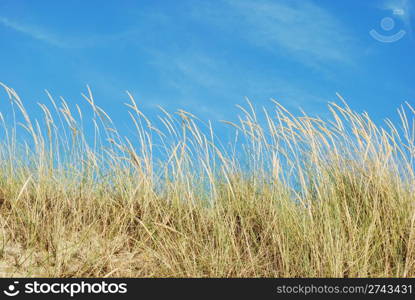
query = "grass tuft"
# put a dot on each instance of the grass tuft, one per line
(292, 196)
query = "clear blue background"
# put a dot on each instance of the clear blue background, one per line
(206, 56)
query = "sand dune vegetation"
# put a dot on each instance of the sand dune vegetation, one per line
(289, 196)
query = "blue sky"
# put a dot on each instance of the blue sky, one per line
(206, 56)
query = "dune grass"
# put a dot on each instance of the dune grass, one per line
(290, 196)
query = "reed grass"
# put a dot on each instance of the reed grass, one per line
(290, 196)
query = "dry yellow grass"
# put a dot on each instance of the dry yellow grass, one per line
(293, 196)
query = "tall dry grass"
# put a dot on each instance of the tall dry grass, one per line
(291, 196)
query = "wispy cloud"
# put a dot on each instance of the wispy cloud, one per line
(301, 29)
(59, 40)
(198, 78)
(34, 32)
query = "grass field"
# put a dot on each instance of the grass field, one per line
(289, 196)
